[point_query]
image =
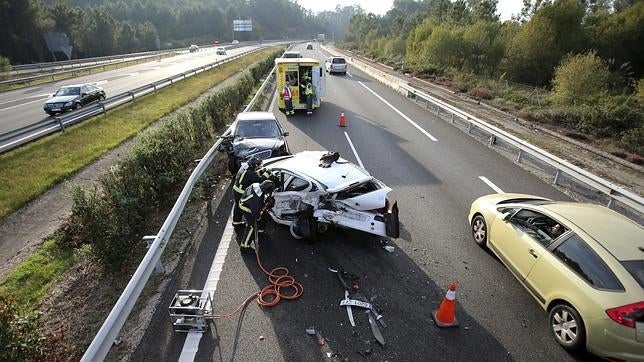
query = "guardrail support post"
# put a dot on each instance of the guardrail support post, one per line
(131, 95)
(519, 156)
(155, 88)
(492, 140)
(149, 239)
(469, 127)
(452, 118)
(557, 174)
(61, 124)
(103, 107)
(438, 110)
(610, 202)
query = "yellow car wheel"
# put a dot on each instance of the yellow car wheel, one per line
(567, 326)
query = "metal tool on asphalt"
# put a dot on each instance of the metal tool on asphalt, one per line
(374, 328)
(358, 300)
(349, 311)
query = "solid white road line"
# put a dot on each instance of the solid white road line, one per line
(354, 150)
(191, 345)
(20, 105)
(492, 185)
(349, 74)
(401, 114)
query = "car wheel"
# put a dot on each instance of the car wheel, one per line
(78, 106)
(567, 326)
(294, 232)
(479, 230)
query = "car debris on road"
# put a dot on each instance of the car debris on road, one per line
(354, 299)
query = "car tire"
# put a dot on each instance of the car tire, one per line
(479, 230)
(78, 106)
(294, 232)
(567, 327)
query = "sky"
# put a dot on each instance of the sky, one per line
(505, 7)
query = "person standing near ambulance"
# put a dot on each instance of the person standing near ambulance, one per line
(287, 96)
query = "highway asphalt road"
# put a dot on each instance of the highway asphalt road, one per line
(22, 107)
(434, 183)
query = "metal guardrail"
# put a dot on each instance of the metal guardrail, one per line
(103, 64)
(104, 61)
(107, 58)
(561, 167)
(23, 135)
(110, 329)
(95, 60)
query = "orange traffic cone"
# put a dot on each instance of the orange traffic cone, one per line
(445, 316)
(342, 122)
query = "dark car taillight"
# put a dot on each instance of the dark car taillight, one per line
(627, 314)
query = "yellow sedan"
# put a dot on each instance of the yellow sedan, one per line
(583, 263)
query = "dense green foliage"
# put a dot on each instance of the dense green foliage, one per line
(19, 337)
(5, 64)
(588, 51)
(113, 216)
(580, 78)
(105, 27)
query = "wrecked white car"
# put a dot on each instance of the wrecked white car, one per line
(316, 189)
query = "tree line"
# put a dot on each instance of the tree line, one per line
(106, 27)
(588, 52)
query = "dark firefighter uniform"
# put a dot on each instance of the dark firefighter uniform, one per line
(244, 178)
(255, 200)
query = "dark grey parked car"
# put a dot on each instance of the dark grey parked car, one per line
(254, 134)
(72, 97)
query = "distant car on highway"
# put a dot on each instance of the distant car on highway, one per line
(583, 264)
(292, 54)
(72, 97)
(235, 42)
(220, 51)
(193, 48)
(336, 65)
(255, 134)
(309, 46)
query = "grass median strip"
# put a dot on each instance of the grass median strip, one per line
(27, 172)
(29, 282)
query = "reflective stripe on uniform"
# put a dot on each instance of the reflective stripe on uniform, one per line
(247, 209)
(237, 185)
(246, 243)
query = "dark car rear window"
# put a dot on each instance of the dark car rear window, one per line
(575, 253)
(636, 268)
(338, 60)
(257, 129)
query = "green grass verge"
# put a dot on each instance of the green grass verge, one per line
(28, 171)
(29, 281)
(106, 67)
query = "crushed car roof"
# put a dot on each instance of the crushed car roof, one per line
(339, 175)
